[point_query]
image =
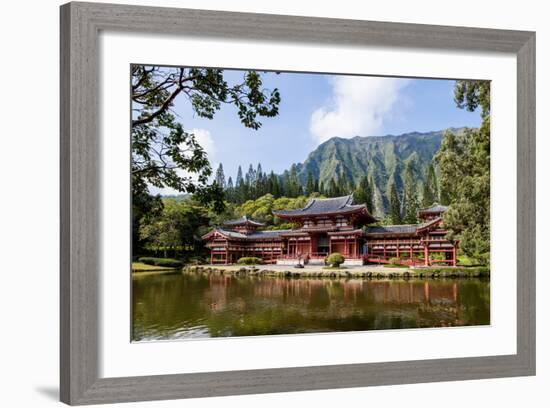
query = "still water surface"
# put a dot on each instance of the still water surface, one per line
(194, 304)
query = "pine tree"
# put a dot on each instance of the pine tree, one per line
(239, 180)
(274, 185)
(241, 190)
(309, 185)
(230, 190)
(220, 177)
(360, 193)
(333, 190)
(369, 198)
(295, 188)
(429, 190)
(410, 195)
(395, 205)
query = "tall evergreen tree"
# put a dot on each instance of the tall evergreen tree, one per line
(369, 196)
(395, 205)
(429, 190)
(240, 179)
(294, 184)
(220, 177)
(360, 193)
(230, 190)
(333, 190)
(310, 187)
(241, 190)
(410, 195)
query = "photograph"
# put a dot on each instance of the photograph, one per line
(268, 202)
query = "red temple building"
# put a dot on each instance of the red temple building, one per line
(325, 226)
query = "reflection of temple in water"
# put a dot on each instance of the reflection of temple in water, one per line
(398, 292)
(339, 298)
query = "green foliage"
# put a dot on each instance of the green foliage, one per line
(162, 148)
(178, 225)
(164, 262)
(364, 193)
(249, 260)
(430, 191)
(395, 205)
(334, 260)
(262, 209)
(410, 195)
(464, 163)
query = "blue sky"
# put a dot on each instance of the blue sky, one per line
(315, 107)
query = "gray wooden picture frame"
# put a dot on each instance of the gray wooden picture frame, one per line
(81, 24)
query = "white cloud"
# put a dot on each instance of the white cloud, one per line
(358, 106)
(205, 139)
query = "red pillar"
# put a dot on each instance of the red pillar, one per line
(454, 254)
(426, 255)
(345, 246)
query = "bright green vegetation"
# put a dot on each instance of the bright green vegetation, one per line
(334, 260)
(161, 262)
(196, 304)
(465, 260)
(249, 260)
(142, 267)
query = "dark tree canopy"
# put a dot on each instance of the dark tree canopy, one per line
(464, 163)
(164, 154)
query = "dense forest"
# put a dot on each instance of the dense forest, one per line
(393, 175)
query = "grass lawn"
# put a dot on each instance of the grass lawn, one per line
(141, 267)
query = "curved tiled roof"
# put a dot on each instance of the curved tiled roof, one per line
(394, 229)
(239, 235)
(435, 208)
(320, 206)
(244, 220)
(407, 229)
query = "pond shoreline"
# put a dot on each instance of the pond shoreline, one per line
(377, 272)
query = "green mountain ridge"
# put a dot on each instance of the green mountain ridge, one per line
(383, 158)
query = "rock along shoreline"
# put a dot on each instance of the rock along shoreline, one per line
(375, 272)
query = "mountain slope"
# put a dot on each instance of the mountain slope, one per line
(383, 158)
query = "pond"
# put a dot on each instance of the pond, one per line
(194, 304)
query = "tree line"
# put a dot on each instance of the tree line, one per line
(403, 205)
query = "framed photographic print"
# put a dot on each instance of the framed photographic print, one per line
(287, 197)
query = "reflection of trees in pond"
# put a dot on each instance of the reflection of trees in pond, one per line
(222, 305)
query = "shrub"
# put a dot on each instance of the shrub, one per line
(249, 260)
(335, 260)
(166, 262)
(395, 261)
